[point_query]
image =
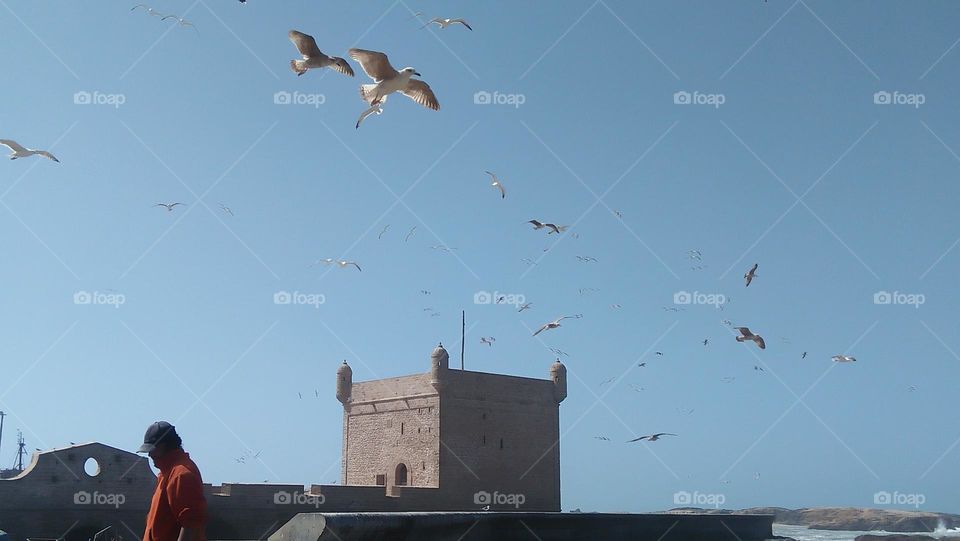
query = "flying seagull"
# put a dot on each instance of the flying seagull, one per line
(804, 356)
(376, 108)
(525, 306)
(168, 206)
(340, 263)
(487, 341)
(556, 228)
(150, 10)
(651, 437)
(536, 224)
(384, 230)
(601, 438)
(405, 239)
(226, 209)
(745, 334)
(19, 151)
(313, 58)
(750, 274)
(180, 21)
(496, 183)
(555, 323)
(844, 359)
(388, 80)
(443, 23)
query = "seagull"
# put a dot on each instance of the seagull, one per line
(168, 206)
(641, 365)
(651, 437)
(313, 58)
(745, 334)
(636, 388)
(528, 261)
(496, 183)
(525, 306)
(728, 379)
(586, 258)
(487, 341)
(500, 299)
(446, 22)
(424, 292)
(758, 369)
(376, 108)
(619, 214)
(19, 151)
(749, 276)
(660, 353)
(300, 395)
(555, 323)
(695, 254)
(804, 356)
(556, 228)
(706, 341)
(409, 234)
(601, 438)
(388, 80)
(150, 10)
(340, 263)
(384, 230)
(180, 21)
(536, 224)
(844, 359)
(616, 306)
(226, 209)
(606, 381)
(559, 352)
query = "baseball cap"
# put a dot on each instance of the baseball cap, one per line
(156, 433)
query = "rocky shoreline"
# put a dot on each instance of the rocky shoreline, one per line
(849, 518)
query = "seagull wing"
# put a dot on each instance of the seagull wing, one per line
(461, 21)
(759, 340)
(12, 145)
(355, 265)
(305, 44)
(638, 439)
(541, 329)
(421, 93)
(745, 332)
(374, 64)
(342, 66)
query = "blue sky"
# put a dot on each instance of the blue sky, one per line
(836, 196)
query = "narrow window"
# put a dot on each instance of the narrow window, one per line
(401, 428)
(501, 443)
(381, 479)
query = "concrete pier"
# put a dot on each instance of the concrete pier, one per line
(488, 526)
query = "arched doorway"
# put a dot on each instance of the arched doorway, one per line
(401, 474)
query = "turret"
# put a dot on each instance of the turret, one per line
(344, 383)
(558, 373)
(439, 363)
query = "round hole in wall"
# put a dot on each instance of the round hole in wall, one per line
(91, 467)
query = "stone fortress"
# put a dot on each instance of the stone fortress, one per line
(445, 440)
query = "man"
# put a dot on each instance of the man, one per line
(178, 511)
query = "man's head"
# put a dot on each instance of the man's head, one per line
(160, 438)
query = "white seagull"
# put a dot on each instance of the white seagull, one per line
(525, 306)
(745, 335)
(19, 151)
(487, 341)
(750, 274)
(446, 22)
(180, 21)
(375, 108)
(651, 437)
(150, 10)
(340, 263)
(555, 323)
(496, 183)
(388, 80)
(312, 57)
(844, 359)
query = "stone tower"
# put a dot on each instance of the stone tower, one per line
(472, 435)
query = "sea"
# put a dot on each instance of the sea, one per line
(802, 533)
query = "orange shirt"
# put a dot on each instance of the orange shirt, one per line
(178, 501)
